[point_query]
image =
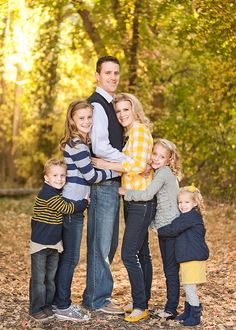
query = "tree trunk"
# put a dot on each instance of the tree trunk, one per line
(47, 66)
(134, 47)
(90, 28)
(3, 91)
(16, 122)
(18, 192)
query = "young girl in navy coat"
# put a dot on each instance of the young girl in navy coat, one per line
(191, 250)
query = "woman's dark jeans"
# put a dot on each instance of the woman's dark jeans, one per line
(135, 252)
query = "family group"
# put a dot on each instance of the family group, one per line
(109, 152)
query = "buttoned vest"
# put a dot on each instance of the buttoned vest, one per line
(115, 130)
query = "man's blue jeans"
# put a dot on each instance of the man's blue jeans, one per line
(102, 242)
(42, 283)
(135, 252)
(71, 236)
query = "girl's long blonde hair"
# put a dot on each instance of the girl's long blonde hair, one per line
(71, 130)
(196, 196)
(174, 156)
(136, 107)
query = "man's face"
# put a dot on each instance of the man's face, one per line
(108, 78)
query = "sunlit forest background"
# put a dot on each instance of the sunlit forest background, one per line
(178, 57)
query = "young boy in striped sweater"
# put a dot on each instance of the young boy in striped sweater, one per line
(46, 237)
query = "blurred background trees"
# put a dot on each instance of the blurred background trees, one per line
(178, 57)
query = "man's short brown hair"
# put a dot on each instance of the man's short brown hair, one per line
(104, 59)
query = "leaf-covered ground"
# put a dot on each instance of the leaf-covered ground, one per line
(218, 295)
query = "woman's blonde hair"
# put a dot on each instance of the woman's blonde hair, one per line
(174, 156)
(136, 107)
(71, 130)
(196, 196)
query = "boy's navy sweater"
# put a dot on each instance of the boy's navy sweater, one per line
(189, 231)
(49, 207)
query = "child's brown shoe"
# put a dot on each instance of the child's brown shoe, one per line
(39, 317)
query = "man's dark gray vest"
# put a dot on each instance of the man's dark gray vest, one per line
(115, 130)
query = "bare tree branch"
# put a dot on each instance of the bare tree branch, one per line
(90, 28)
(179, 72)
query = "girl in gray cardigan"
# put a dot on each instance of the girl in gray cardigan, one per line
(165, 162)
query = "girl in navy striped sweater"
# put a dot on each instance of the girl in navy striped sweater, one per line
(80, 175)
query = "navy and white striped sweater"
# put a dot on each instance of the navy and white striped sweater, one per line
(80, 171)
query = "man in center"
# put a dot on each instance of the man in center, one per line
(103, 214)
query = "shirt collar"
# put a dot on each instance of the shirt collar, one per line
(106, 96)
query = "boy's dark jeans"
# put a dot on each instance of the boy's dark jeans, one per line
(42, 283)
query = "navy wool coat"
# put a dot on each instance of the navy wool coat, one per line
(189, 231)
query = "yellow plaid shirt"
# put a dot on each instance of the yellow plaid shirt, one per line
(139, 149)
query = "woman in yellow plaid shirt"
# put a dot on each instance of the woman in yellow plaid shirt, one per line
(138, 215)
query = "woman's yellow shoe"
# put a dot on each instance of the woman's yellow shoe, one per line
(128, 308)
(136, 315)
